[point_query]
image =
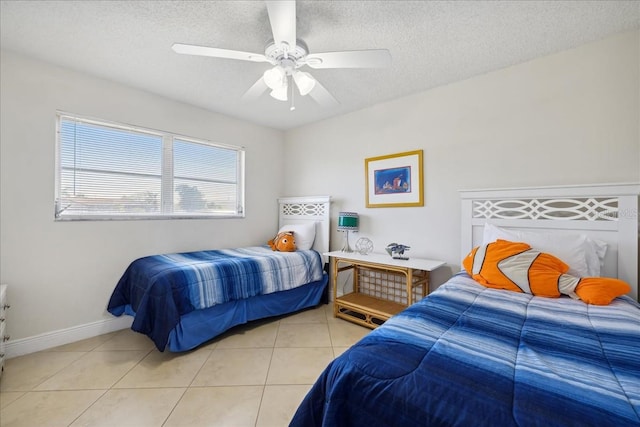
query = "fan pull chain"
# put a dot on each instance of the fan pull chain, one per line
(293, 107)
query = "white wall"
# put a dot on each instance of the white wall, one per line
(61, 274)
(569, 118)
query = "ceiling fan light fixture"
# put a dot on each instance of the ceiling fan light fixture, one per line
(280, 93)
(286, 53)
(304, 81)
(275, 78)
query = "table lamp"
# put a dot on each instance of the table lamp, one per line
(347, 221)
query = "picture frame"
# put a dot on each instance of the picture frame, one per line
(394, 180)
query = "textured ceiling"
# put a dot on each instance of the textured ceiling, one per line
(432, 43)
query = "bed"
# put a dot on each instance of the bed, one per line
(470, 355)
(182, 300)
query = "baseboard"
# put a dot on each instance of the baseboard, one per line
(19, 347)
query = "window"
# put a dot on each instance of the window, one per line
(111, 171)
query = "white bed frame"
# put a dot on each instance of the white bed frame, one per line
(300, 210)
(608, 212)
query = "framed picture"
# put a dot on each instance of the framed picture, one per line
(394, 180)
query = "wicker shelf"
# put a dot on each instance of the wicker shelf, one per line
(382, 286)
(366, 310)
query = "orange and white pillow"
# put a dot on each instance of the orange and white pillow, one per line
(516, 267)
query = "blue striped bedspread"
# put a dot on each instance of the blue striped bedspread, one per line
(159, 289)
(471, 356)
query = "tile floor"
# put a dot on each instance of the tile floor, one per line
(253, 375)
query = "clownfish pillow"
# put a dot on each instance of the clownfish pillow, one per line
(519, 268)
(283, 242)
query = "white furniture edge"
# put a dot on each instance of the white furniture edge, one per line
(300, 210)
(4, 306)
(378, 258)
(606, 212)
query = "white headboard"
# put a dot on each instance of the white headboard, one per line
(298, 210)
(608, 212)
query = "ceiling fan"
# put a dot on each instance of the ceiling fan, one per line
(287, 54)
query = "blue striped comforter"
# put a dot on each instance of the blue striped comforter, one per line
(472, 356)
(159, 289)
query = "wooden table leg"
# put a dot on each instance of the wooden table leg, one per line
(334, 283)
(409, 286)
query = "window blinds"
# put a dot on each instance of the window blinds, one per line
(109, 171)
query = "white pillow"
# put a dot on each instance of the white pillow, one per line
(303, 234)
(583, 255)
(595, 257)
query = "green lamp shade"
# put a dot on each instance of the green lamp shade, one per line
(348, 221)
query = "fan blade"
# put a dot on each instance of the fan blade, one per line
(256, 90)
(375, 58)
(322, 96)
(282, 16)
(189, 49)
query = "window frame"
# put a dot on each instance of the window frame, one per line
(167, 175)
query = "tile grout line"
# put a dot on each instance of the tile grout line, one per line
(88, 407)
(326, 315)
(85, 353)
(95, 350)
(325, 318)
(266, 377)
(190, 385)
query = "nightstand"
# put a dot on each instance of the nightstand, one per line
(382, 286)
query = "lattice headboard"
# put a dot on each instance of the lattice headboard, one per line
(607, 212)
(298, 210)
